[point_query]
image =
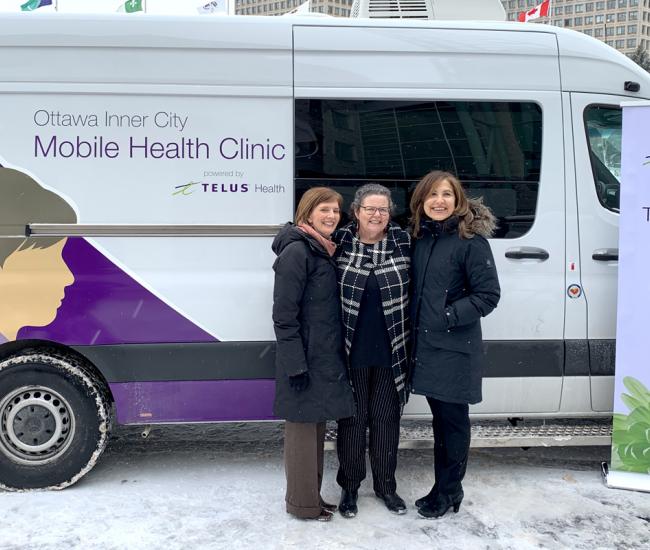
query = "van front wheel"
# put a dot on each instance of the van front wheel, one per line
(54, 421)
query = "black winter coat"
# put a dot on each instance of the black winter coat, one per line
(455, 284)
(307, 323)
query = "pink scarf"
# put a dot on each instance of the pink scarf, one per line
(328, 245)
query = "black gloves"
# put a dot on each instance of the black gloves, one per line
(299, 382)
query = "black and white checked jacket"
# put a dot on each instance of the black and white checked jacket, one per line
(390, 258)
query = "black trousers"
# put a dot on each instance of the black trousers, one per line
(378, 409)
(451, 433)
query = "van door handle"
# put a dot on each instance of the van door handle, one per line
(605, 255)
(527, 253)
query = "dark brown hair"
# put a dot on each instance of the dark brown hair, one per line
(423, 190)
(312, 198)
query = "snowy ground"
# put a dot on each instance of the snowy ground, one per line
(222, 486)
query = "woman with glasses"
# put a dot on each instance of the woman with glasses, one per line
(372, 261)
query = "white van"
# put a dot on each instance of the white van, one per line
(147, 163)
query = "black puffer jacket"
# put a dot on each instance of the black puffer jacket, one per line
(455, 284)
(307, 322)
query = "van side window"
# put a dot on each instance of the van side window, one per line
(495, 148)
(603, 125)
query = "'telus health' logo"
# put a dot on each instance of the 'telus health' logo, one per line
(647, 160)
(206, 187)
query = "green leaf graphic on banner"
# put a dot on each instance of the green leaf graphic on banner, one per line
(631, 433)
(637, 389)
(631, 402)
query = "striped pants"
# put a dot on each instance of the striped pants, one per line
(378, 409)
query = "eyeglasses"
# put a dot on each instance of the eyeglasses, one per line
(372, 210)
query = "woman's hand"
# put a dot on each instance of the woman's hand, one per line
(299, 382)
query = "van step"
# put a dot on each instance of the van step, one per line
(417, 434)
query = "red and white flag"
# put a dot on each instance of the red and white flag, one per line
(541, 10)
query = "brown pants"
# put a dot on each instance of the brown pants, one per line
(303, 464)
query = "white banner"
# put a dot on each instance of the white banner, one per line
(631, 437)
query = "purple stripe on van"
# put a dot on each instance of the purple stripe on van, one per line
(193, 401)
(104, 305)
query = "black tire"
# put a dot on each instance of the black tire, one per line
(54, 421)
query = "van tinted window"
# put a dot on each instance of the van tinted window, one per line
(603, 124)
(493, 147)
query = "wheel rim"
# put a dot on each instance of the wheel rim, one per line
(36, 425)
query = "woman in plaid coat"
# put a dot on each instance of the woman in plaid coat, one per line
(373, 260)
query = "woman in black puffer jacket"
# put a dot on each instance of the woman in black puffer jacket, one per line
(312, 384)
(454, 284)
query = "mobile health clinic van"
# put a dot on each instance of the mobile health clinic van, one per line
(148, 162)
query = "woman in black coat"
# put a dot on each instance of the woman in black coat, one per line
(311, 379)
(454, 284)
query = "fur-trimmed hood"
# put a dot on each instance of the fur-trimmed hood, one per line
(481, 220)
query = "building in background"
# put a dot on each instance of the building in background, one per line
(623, 24)
(392, 9)
(337, 8)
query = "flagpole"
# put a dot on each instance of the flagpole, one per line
(550, 12)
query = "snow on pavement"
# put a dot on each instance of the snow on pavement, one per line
(222, 486)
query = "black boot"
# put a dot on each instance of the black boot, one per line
(428, 498)
(393, 502)
(348, 504)
(441, 504)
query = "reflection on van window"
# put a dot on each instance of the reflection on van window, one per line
(603, 125)
(494, 147)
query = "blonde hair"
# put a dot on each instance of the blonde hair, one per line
(312, 198)
(423, 190)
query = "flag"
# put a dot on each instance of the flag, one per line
(541, 10)
(216, 6)
(131, 6)
(32, 5)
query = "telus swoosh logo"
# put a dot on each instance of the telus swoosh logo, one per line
(185, 189)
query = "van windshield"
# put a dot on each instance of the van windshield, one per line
(604, 129)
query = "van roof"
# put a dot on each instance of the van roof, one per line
(585, 63)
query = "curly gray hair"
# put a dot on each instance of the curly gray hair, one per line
(367, 190)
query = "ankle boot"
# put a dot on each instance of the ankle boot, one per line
(393, 502)
(348, 504)
(442, 503)
(429, 497)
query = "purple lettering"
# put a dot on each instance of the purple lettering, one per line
(221, 149)
(274, 154)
